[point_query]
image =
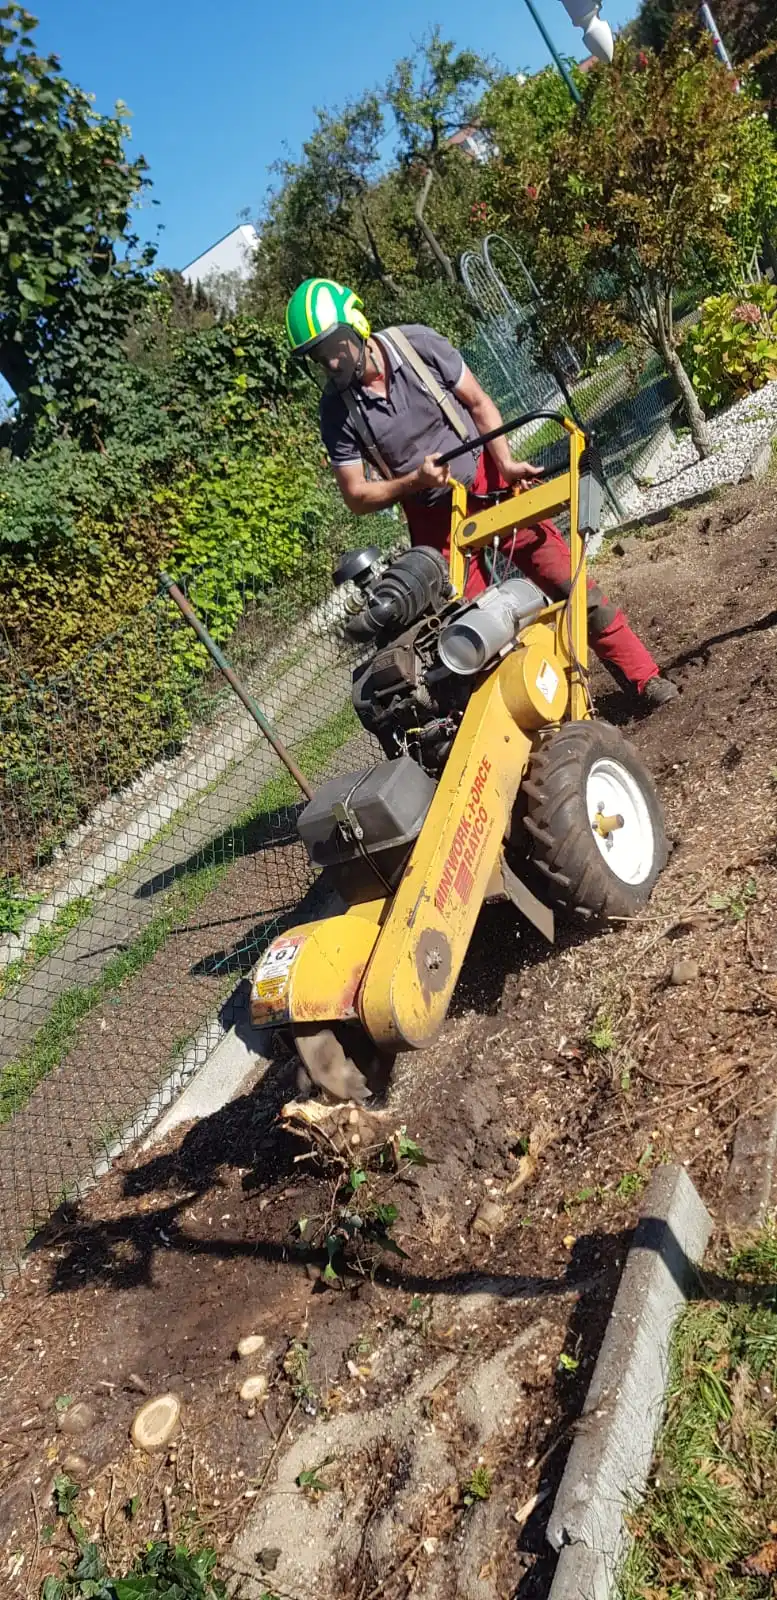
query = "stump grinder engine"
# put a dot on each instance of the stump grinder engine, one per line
(497, 782)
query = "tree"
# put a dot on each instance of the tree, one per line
(624, 204)
(522, 113)
(326, 215)
(71, 273)
(433, 95)
(746, 26)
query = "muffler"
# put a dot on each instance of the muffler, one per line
(478, 635)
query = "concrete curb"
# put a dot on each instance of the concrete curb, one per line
(581, 1574)
(236, 1060)
(610, 1458)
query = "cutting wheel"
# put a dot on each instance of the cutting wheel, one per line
(343, 1061)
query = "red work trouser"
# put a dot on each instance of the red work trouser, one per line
(542, 554)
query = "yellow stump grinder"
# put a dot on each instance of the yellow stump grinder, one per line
(498, 782)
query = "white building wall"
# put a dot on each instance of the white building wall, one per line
(228, 262)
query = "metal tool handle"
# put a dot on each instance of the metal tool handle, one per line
(496, 433)
(169, 587)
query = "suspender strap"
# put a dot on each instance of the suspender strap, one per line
(428, 381)
(366, 434)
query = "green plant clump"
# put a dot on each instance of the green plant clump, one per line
(163, 1572)
(732, 350)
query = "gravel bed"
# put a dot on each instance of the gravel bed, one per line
(677, 473)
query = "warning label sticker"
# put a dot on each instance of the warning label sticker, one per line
(269, 989)
(547, 682)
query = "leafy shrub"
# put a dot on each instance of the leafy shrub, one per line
(69, 740)
(162, 1572)
(66, 745)
(244, 528)
(434, 304)
(212, 468)
(54, 609)
(44, 498)
(732, 350)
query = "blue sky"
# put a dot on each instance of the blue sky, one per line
(217, 89)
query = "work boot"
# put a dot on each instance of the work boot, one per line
(657, 692)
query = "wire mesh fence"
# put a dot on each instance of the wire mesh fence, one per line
(625, 402)
(150, 851)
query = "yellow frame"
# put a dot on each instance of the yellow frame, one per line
(472, 533)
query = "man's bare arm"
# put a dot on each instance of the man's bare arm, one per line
(375, 494)
(486, 416)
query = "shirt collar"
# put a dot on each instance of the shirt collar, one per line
(395, 360)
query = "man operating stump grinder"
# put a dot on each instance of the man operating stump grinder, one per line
(394, 401)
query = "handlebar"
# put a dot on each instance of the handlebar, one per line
(496, 433)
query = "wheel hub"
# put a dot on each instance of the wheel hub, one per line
(620, 820)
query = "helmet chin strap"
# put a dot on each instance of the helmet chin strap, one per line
(358, 376)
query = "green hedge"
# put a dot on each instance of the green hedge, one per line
(210, 464)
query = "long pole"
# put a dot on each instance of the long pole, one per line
(177, 595)
(712, 28)
(562, 67)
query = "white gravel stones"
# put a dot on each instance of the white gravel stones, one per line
(677, 474)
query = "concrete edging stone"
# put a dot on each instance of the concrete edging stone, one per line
(610, 1459)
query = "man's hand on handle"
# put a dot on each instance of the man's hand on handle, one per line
(520, 474)
(431, 476)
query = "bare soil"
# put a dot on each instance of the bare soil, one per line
(562, 1078)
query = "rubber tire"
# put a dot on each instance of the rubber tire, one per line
(571, 871)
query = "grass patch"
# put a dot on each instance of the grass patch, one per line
(706, 1527)
(46, 941)
(15, 905)
(312, 755)
(602, 1035)
(278, 793)
(192, 885)
(58, 1033)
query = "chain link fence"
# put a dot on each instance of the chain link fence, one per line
(626, 402)
(150, 854)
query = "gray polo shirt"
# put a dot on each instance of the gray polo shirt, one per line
(407, 423)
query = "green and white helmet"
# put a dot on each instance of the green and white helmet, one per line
(317, 308)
